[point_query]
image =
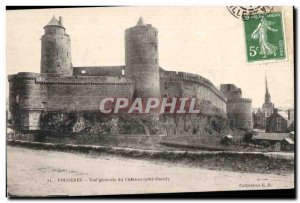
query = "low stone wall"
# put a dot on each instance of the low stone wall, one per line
(233, 161)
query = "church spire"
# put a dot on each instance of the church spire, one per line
(267, 94)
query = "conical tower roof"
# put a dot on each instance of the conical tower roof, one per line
(141, 22)
(267, 94)
(54, 22)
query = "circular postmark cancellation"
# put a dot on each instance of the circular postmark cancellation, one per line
(241, 12)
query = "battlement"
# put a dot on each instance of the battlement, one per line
(31, 76)
(231, 91)
(240, 100)
(190, 77)
(24, 76)
(185, 75)
(87, 80)
(71, 80)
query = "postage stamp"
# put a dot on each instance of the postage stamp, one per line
(264, 35)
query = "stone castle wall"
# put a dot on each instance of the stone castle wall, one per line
(85, 94)
(41, 91)
(62, 88)
(181, 84)
(26, 100)
(239, 113)
(31, 94)
(239, 110)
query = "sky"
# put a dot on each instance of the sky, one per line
(208, 41)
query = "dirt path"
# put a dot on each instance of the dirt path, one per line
(42, 172)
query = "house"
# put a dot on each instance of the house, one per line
(278, 122)
(227, 139)
(277, 140)
(271, 138)
(259, 119)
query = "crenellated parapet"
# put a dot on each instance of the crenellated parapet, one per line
(23, 76)
(182, 84)
(240, 100)
(104, 80)
(57, 79)
(188, 78)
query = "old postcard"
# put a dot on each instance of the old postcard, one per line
(144, 100)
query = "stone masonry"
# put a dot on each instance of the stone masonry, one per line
(60, 87)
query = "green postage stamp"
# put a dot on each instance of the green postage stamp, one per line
(265, 37)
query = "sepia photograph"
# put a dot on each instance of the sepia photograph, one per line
(149, 100)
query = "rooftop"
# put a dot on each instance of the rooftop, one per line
(289, 140)
(141, 22)
(283, 115)
(270, 136)
(54, 22)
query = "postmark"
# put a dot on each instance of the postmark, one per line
(264, 34)
(241, 12)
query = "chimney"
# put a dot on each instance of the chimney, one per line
(60, 20)
(275, 111)
(289, 114)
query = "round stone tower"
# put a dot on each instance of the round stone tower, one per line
(56, 49)
(141, 59)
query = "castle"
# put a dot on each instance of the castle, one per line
(60, 87)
